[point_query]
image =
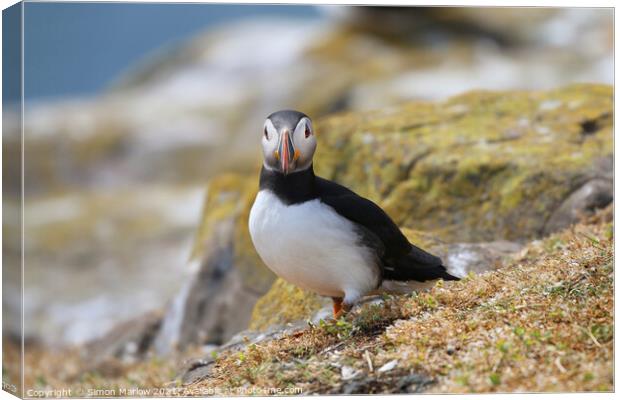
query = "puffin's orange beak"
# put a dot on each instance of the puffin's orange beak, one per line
(286, 152)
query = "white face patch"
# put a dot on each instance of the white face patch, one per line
(270, 144)
(304, 141)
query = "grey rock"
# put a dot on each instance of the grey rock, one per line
(395, 383)
(214, 304)
(594, 194)
(196, 370)
(463, 258)
(348, 373)
(248, 337)
(129, 341)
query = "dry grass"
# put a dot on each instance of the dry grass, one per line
(542, 323)
(66, 369)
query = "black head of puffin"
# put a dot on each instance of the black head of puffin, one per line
(288, 141)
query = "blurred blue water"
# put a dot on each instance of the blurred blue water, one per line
(77, 49)
(11, 73)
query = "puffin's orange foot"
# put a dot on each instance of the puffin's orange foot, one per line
(340, 308)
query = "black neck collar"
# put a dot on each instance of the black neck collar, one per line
(297, 187)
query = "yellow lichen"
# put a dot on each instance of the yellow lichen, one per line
(284, 303)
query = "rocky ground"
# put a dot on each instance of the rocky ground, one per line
(543, 322)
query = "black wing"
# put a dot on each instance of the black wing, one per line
(400, 259)
(365, 213)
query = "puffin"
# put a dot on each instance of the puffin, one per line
(320, 235)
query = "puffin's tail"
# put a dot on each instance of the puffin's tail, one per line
(419, 281)
(423, 273)
(419, 266)
(446, 276)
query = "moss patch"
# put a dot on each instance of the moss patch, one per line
(480, 166)
(282, 304)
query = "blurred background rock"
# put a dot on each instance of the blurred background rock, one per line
(115, 178)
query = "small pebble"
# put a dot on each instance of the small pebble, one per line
(348, 373)
(388, 366)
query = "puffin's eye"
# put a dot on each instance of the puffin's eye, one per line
(265, 133)
(308, 132)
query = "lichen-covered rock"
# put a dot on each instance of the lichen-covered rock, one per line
(480, 166)
(284, 303)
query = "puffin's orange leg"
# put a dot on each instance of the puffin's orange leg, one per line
(338, 310)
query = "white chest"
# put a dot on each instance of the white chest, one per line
(312, 246)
